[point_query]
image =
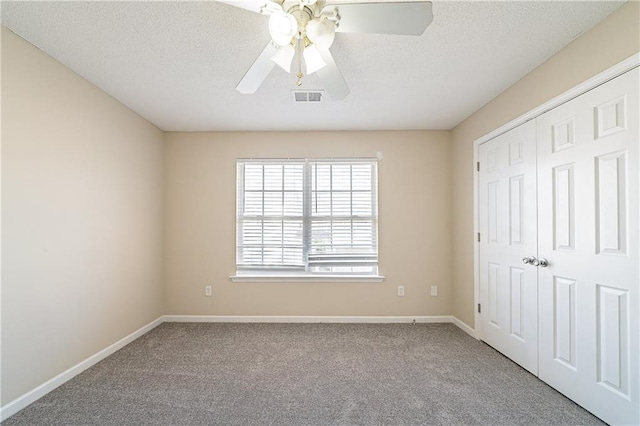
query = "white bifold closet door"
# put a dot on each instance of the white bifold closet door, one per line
(562, 191)
(588, 229)
(508, 229)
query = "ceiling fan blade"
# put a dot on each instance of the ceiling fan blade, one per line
(259, 71)
(265, 7)
(406, 18)
(331, 77)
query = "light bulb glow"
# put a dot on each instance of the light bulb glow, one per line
(282, 27)
(312, 59)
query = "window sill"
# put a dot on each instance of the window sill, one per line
(307, 278)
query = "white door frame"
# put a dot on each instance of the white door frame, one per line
(611, 73)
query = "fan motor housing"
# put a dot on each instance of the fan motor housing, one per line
(302, 15)
(303, 11)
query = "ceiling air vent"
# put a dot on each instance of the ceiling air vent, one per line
(307, 96)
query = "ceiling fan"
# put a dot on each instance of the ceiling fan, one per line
(304, 30)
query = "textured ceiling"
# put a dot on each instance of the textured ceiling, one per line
(177, 63)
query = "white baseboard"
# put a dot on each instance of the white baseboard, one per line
(307, 319)
(22, 401)
(464, 327)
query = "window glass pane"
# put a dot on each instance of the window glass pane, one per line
(321, 177)
(253, 203)
(293, 175)
(341, 204)
(272, 233)
(293, 256)
(273, 203)
(251, 232)
(293, 204)
(341, 177)
(363, 233)
(272, 256)
(362, 203)
(251, 255)
(320, 236)
(273, 176)
(341, 234)
(343, 269)
(292, 233)
(321, 204)
(361, 177)
(252, 176)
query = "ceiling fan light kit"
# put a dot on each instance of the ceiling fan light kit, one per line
(307, 28)
(284, 57)
(321, 32)
(313, 59)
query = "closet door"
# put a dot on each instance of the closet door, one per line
(588, 231)
(507, 220)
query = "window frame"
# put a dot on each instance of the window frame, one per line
(282, 274)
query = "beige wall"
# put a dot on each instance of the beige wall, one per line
(414, 226)
(611, 41)
(81, 219)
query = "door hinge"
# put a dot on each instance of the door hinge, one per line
(478, 237)
(478, 166)
(479, 309)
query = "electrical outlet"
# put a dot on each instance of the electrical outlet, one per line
(207, 290)
(401, 290)
(434, 290)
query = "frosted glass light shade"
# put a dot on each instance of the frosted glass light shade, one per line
(284, 57)
(282, 27)
(322, 33)
(312, 59)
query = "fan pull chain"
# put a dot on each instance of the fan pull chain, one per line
(299, 75)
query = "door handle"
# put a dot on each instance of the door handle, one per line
(529, 260)
(542, 262)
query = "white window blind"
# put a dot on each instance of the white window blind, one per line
(307, 217)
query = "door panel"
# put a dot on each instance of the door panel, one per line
(508, 288)
(564, 321)
(588, 230)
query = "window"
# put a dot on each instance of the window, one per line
(307, 217)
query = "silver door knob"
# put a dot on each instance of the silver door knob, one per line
(529, 260)
(542, 262)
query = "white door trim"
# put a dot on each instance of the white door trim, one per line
(609, 74)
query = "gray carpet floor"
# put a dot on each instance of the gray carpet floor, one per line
(304, 374)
